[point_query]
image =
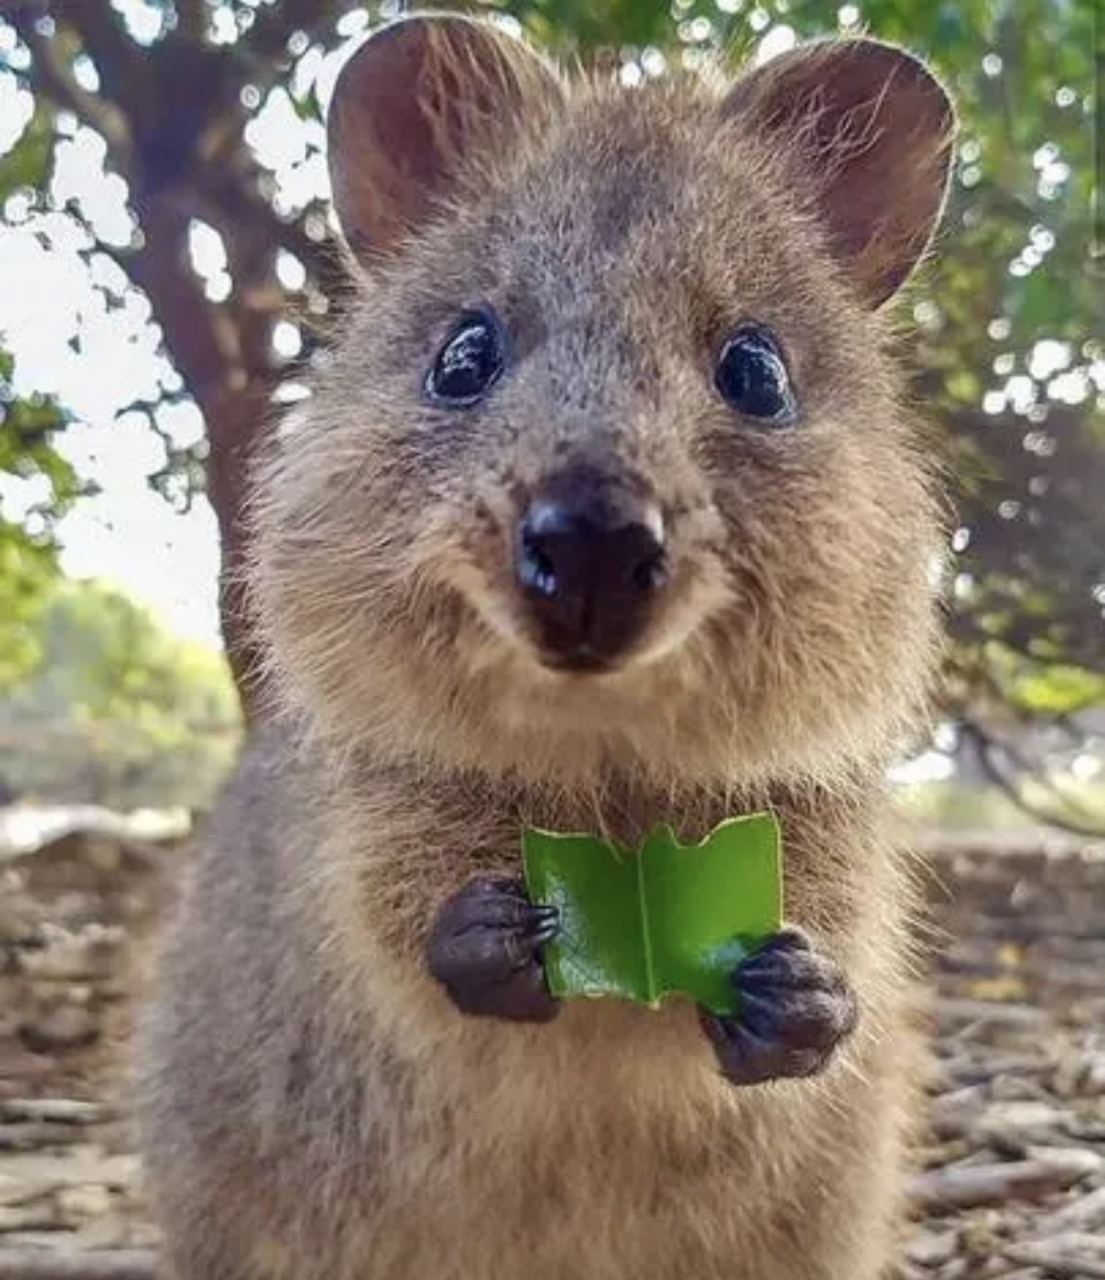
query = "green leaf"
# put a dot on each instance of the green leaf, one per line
(668, 919)
(30, 161)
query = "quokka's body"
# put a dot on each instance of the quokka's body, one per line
(604, 514)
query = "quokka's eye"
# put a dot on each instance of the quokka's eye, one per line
(469, 363)
(752, 377)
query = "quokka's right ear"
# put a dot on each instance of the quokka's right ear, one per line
(414, 102)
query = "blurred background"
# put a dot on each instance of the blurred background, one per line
(168, 274)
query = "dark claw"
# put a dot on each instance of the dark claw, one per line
(796, 1007)
(485, 950)
(544, 933)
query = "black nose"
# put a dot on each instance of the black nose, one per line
(590, 559)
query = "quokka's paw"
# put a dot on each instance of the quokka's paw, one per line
(796, 1007)
(485, 949)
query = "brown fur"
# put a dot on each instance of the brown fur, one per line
(315, 1106)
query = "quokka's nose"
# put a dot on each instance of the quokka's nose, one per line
(589, 559)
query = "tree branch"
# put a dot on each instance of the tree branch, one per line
(53, 77)
(236, 198)
(192, 19)
(987, 746)
(267, 39)
(123, 67)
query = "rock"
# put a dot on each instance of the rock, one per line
(72, 958)
(28, 1217)
(18, 921)
(931, 1249)
(1023, 1121)
(25, 1178)
(76, 1204)
(62, 1110)
(66, 1026)
(1080, 1213)
(1050, 1169)
(10, 1016)
(21, 1068)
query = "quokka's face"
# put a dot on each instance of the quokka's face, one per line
(608, 460)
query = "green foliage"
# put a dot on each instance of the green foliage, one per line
(1011, 350)
(595, 24)
(1043, 689)
(116, 709)
(29, 464)
(30, 162)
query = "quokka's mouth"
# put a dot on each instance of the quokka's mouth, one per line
(580, 662)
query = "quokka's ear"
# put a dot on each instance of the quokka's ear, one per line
(412, 103)
(875, 132)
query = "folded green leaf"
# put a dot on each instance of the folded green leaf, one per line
(667, 919)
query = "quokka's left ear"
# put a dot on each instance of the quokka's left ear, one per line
(874, 130)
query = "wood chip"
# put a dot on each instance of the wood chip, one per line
(1055, 1258)
(62, 1110)
(989, 1012)
(121, 1264)
(1080, 1214)
(973, 1185)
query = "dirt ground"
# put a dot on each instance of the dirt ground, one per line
(1012, 1176)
